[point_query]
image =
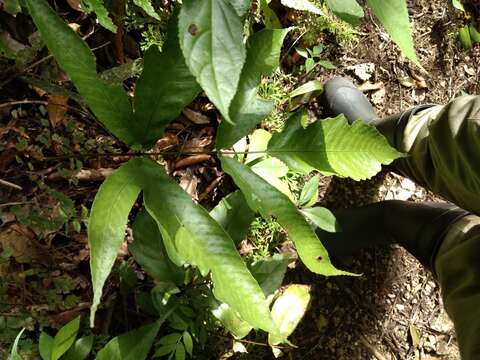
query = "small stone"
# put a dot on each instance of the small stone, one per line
(363, 71)
(400, 307)
(408, 184)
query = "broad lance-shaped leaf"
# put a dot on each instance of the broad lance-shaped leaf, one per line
(79, 350)
(133, 345)
(14, 355)
(393, 15)
(241, 6)
(269, 272)
(247, 109)
(263, 197)
(148, 250)
(347, 10)
(65, 338)
(234, 215)
(211, 38)
(202, 242)
(165, 87)
(109, 103)
(107, 224)
(333, 147)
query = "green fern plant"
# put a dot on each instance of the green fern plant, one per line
(205, 50)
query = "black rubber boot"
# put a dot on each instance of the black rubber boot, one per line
(418, 227)
(340, 96)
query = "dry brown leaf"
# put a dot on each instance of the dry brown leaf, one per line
(369, 86)
(246, 247)
(189, 183)
(19, 241)
(75, 4)
(196, 117)
(57, 108)
(192, 160)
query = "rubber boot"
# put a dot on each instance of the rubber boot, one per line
(419, 227)
(340, 96)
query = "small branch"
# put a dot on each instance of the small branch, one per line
(192, 160)
(209, 188)
(371, 348)
(11, 185)
(42, 60)
(42, 102)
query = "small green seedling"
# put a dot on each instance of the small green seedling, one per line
(312, 58)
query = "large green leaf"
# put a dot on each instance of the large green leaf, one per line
(109, 103)
(230, 319)
(288, 310)
(263, 197)
(45, 345)
(202, 242)
(270, 272)
(149, 252)
(165, 87)
(133, 345)
(322, 217)
(234, 215)
(11, 6)
(65, 338)
(211, 37)
(101, 11)
(79, 350)
(347, 10)
(107, 223)
(241, 6)
(393, 15)
(247, 109)
(333, 147)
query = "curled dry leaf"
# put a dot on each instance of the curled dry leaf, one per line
(57, 108)
(192, 160)
(75, 4)
(369, 86)
(189, 183)
(196, 117)
(19, 241)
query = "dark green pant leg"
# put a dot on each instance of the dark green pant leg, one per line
(458, 269)
(443, 143)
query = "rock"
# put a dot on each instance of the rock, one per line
(363, 71)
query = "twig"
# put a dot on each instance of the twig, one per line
(371, 348)
(209, 188)
(42, 60)
(12, 204)
(11, 185)
(42, 102)
(251, 342)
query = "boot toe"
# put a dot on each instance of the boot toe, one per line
(340, 96)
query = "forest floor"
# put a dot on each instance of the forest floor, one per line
(393, 311)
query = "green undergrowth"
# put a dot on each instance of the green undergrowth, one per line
(276, 88)
(163, 268)
(315, 27)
